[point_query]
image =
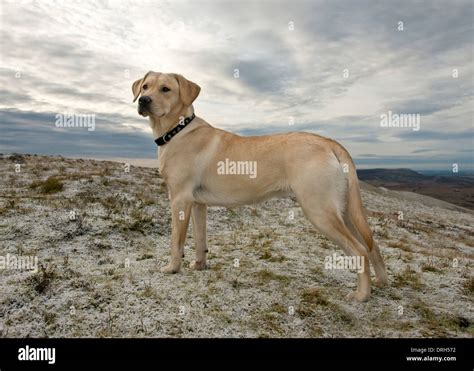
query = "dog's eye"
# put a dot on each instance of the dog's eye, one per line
(145, 87)
(164, 89)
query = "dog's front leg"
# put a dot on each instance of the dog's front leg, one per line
(198, 216)
(180, 212)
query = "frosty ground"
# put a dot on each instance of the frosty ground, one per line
(101, 233)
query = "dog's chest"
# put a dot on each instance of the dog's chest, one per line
(161, 160)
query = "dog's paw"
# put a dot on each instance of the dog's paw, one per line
(198, 266)
(381, 282)
(169, 269)
(358, 296)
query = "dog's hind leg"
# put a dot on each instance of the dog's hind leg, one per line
(329, 222)
(198, 217)
(375, 258)
(322, 196)
(381, 278)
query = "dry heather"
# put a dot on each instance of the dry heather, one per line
(101, 233)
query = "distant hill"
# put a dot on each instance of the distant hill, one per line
(456, 189)
(390, 175)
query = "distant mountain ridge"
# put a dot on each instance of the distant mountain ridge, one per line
(385, 175)
(456, 189)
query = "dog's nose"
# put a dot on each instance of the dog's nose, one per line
(144, 100)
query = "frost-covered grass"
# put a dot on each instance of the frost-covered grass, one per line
(101, 235)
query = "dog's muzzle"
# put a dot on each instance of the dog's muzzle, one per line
(144, 105)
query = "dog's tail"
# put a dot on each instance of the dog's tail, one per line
(355, 208)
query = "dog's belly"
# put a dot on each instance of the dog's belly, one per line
(216, 196)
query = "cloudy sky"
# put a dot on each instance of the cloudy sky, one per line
(334, 66)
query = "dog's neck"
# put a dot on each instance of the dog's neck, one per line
(161, 126)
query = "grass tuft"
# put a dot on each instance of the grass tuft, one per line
(50, 185)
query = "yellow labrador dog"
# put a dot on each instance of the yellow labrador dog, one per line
(205, 166)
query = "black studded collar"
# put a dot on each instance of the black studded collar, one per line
(170, 134)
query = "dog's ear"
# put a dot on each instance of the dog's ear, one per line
(137, 86)
(188, 90)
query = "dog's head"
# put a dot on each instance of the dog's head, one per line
(162, 93)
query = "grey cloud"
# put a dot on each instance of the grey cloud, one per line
(423, 150)
(430, 135)
(429, 26)
(263, 76)
(32, 132)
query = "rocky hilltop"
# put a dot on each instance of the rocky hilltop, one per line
(100, 232)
